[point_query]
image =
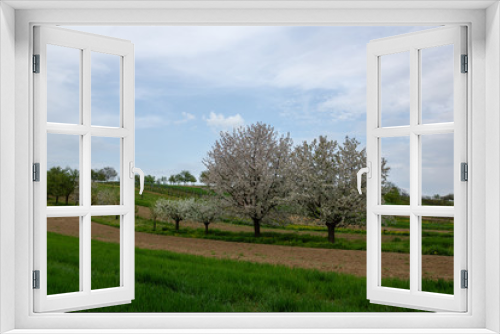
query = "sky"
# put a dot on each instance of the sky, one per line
(193, 82)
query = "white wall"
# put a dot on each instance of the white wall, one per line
(492, 165)
(7, 160)
(23, 157)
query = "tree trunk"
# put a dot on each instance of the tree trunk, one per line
(206, 228)
(331, 232)
(256, 227)
(154, 224)
(67, 199)
(57, 199)
(177, 225)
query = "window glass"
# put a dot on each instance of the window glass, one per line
(437, 169)
(63, 84)
(437, 254)
(395, 170)
(395, 236)
(437, 84)
(63, 170)
(63, 255)
(105, 173)
(395, 89)
(105, 249)
(105, 89)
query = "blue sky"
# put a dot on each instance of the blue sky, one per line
(193, 82)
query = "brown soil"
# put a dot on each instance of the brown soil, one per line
(344, 261)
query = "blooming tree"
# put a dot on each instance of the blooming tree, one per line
(326, 185)
(248, 169)
(176, 210)
(205, 211)
(154, 214)
(108, 196)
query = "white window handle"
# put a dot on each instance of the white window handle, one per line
(134, 170)
(368, 171)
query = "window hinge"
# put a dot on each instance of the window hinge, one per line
(36, 172)
(465, 64)
(464, 279)
(464, 172)
(36, 279)
(36, 63)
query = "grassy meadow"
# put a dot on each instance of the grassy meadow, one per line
(172, 282)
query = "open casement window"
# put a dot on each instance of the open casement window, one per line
(405, 76)
(83, 117)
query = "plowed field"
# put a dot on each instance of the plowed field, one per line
(344, 261)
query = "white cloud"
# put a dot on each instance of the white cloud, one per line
(63, 84)
(347, 105)
(323, 70)
(220, 122)
(246, 56)
(186, 117)
(150, 121)
(157, 121)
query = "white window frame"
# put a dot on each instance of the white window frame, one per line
(85, 297)
(483, 21)
(413, 44)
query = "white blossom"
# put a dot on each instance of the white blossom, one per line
(248, 168)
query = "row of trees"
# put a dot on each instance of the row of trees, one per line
(65, 182)
(184, 177)
(62, 182)
(104, 174)
(255, 170)
(392, 194)
(203, 211)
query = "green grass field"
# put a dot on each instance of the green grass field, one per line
(63, 264)
(170, 282)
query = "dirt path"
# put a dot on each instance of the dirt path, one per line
(344, 261)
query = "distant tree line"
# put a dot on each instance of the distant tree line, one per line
(104, 174)
(183, 177)
(394, 195)
(62, 183)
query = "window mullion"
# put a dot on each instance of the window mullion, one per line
(85, 253)
(414, 170)
(85, 186)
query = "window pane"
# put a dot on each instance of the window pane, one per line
(437, 169)
(105, 89)
(437, 84)
(395, 236)
(63, 255)
(63, 169)
(63, 84)
(395, 170)
(105, 174)
(437, 254)
(395, 89)
(105, 248)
